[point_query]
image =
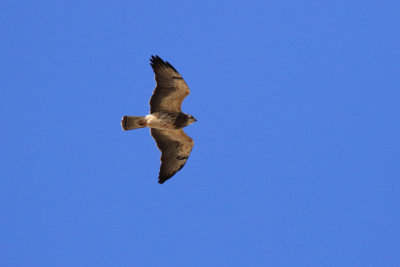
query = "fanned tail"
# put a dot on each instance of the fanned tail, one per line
(133, 122)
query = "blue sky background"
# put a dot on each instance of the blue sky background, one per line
(297, 154)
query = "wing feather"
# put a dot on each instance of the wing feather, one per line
(171, 88)
(175, 146)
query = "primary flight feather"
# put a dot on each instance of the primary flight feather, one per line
(166, 119)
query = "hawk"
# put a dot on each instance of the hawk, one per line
(166, 118)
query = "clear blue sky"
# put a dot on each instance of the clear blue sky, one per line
(297, 154)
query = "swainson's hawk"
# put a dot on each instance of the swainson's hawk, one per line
(166, 119)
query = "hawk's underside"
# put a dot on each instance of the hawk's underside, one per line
(166, 119)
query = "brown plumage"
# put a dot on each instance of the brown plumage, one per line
(171, 89)
(166, 119)
(175, 146)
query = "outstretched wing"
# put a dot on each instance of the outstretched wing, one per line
(170, 90)
(175, 148)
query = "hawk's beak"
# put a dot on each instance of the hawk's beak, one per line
(194, 119)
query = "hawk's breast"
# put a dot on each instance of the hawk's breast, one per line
(161, 120)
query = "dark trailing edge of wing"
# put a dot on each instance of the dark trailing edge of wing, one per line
(156, 62)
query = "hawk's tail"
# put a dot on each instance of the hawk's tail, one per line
(133, 122)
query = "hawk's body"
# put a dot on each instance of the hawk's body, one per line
(166, 119)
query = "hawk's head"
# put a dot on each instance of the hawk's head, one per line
(183, 120)
(190, 119)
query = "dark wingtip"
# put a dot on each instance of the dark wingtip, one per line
(156, 62)
(162, 179)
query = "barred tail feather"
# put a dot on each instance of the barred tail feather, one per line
(133, 122)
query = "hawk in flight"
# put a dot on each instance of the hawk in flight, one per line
(166, 119)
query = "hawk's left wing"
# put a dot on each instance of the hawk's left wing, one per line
(175, 148)
(170, 90)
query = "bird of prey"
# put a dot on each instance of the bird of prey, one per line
(166, 118)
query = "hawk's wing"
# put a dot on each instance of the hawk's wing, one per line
(175, 148)
(170, 90)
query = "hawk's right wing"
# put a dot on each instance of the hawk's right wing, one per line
(170, 90)
(175, 148)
